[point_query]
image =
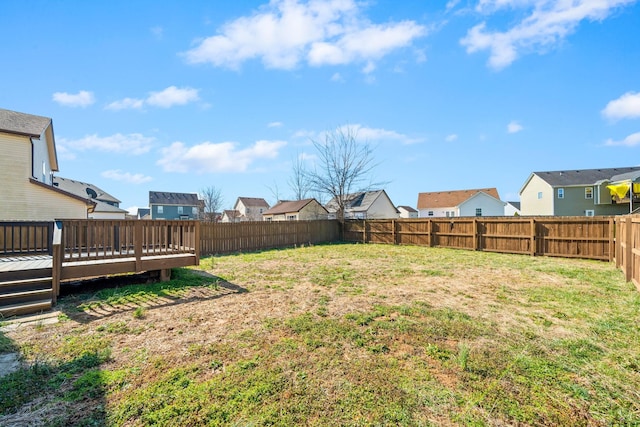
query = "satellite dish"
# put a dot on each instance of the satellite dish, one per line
(91, 192)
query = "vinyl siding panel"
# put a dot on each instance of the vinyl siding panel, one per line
(529, 202)
(22, 200)
(489, 206)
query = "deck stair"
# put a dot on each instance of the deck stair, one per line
(25, 292)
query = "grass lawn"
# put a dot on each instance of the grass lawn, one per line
(339, 335)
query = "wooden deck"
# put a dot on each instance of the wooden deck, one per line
(82, 249)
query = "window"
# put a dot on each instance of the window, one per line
(180, 210)
(588, 193)
(160, 209)
(430, 213)
(589, 212)
(560, 193)
(194, 211)
(478, 211)
(291, 218)
(539, 194)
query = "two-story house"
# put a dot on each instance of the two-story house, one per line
(296, 210)
(251, 208)
(27, 163)
(584, 192)
(166, 205)
(106, 206)
(365, 205)
(475, 202)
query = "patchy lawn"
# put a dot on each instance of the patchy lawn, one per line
(339, 335)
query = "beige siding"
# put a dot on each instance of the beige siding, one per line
(313, 211)
(382, 208)
(530, 204)
(23, 200)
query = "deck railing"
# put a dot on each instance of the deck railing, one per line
(96, 239)
(25, 237)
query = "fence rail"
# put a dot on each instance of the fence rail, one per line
(572, 237)
(224, 238)
(25, 237)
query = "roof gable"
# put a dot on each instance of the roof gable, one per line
(165, 198)
(360, 201)
(23, 124)
(407, 208)
(448, 199)
(257, 202)
(289, 206)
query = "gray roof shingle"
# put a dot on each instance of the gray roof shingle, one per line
(22, 124)
(165, 198)
(583, 176)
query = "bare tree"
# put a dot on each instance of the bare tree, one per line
(212, 197)
(344, 166)
(299, 179)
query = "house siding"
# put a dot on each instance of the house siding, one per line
(489, 205)
(23, 200)
(40, 159)
(438, 212)
(575, 204)
(171, 212)
(529, 202)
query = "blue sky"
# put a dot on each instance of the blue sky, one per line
(178, 96)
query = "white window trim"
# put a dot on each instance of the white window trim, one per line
(560, 193)
(586, 190)
(589, 212)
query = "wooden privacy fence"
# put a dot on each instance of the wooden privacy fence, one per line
(627, 251)
(25, 237)
(572, 237)
(223, 238)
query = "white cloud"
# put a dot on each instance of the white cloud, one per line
(285, 33)
(164, 99)
(630, 141)
(126, 104)
(133, 143)
(548, 22)
(337, 77)
(172, 96)
(118, 175)
(625, 107)
(80, 99)
(211, 157)
(157, 32)
(274, 125)
(514, 127)
(378, 134)
(451, 138)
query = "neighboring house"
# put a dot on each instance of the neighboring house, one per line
(230, 215)
(299, 210)
(407, 212)
(27, 163)
(164, 205)
(476, 202)
(251, 208)
(107, 206)
(365, 205)
(512, 209)
(143, 213)
(589, 192)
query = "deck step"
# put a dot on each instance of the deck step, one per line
(30, 308)
(24, 297)
(14, 275)
(25, 285)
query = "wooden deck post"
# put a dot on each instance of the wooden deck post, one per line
(137, 244)
(57, 254)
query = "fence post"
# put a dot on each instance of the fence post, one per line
(628, 250)
(393, 231)
(532, 244)
(476, 235)
(611, 240)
